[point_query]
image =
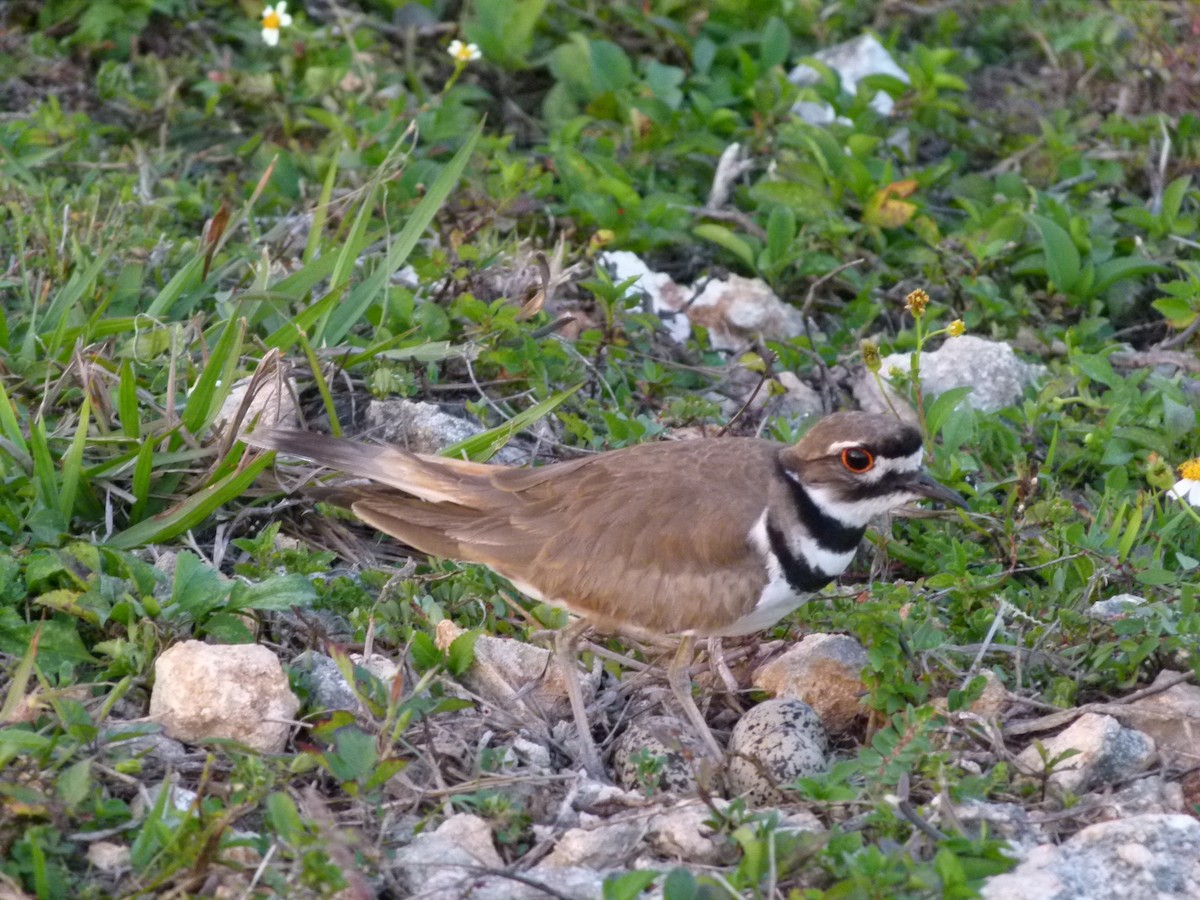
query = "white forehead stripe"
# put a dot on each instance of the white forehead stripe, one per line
(884, 466)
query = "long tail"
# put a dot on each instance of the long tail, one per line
(432, 478)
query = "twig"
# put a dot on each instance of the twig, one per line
(810, 297)
(1115, 708)
(769, 359)
(1182, 338)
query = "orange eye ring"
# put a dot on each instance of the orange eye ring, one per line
(858, 460)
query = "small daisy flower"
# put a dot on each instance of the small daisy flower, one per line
(463, 53)
(1187, 488)
(916, 302)
(274, 17)
(956, 328)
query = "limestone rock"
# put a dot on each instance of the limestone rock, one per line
(1122, 606)
(853, 61)
(996, 375)
(1172, 718)
(603, 847)
(736, 310)
(823, 670)
(502, 667)
(445, 862)
(1107, 752)
(425, 428)
(273, 403)
(679, 833)
(1150, 857)
(237, 691)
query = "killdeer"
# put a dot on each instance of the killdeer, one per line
(712, 537)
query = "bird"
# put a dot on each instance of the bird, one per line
(710, 537)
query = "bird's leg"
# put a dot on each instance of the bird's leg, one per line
(716, 658)
(565, 641)
(681, 686)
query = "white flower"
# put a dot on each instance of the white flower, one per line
(1187, 488)
(463, 53)
(274, 18)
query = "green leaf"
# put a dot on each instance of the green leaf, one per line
(1062, 257)
(127, 402)
(354, 753)
(424, 652)
(1172, 200)
(216, 381)
(348, 314)
(284, 817)
(943, 407)
(1176, 310)
(18, 685)
(781, 232)
(483, 446)
(198, 588)
(72, 463)
(1121, 269)
(776, 44)
(1096, 368)
(630, 885)
(723, 237)
(280, 592)
(611, 68)
(462, 652)
(74, 783)
(192, 511)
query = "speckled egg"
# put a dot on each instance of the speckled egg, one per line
(772, 745)
(672, 742)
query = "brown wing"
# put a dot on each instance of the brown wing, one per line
(658, 532)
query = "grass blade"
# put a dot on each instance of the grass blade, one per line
(483, 446)
(192, 511)
(72, 463)
(345, 316)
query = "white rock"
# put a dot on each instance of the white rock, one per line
(1122, 606)
(772, 745)
(1151, 857)
(736, 310)
(425, 428)
(1107, 752)
(853, 61)
(1171, 718)
(108, 857)
(237, 691)
(445, 862)
(996, 376)
(604, 847)
(823, 670)
(680, 834)
(273, 403)
(503, 666)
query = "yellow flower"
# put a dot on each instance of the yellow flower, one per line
(916, 302)
(870, 355)
(463, 53)
(1187, 488)
(274, 17)
(956, 328)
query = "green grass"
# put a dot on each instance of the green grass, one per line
(182, 207)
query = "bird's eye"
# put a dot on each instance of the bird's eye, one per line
(858, 460)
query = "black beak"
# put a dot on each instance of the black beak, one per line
(921, 483)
